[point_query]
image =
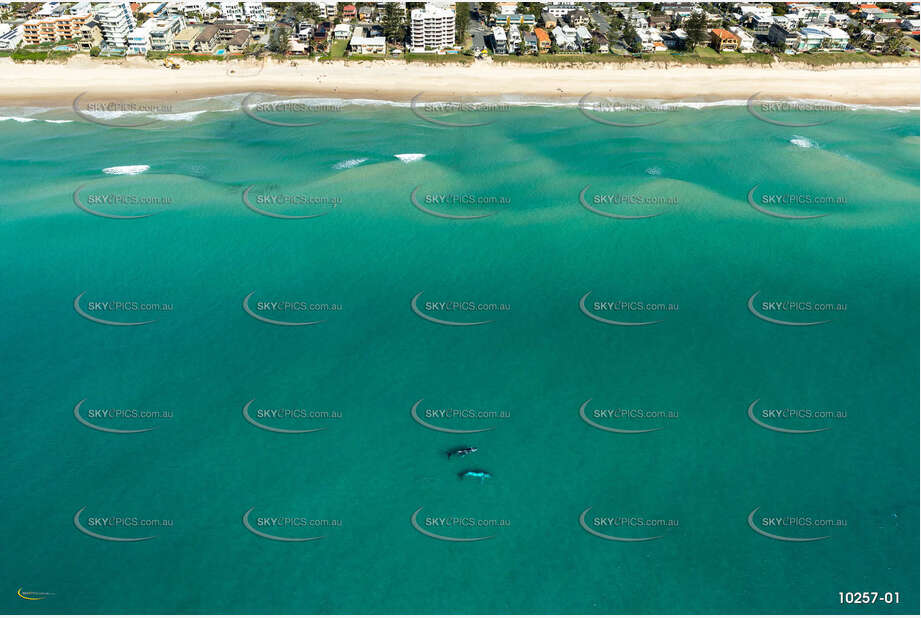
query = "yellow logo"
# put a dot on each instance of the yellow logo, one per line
(33, 596)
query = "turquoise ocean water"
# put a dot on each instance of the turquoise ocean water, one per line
(525, 374)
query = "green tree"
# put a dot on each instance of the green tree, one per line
(392, 23)
(631, 40)
(532, 8)
(893, 45)
(487, 9)
(696, 28)
(278, 41)
(592, 46)
(554, 48)
(307, 10)
(94, 51)
(461, 21)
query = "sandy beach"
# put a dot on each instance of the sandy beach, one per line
(138, 78)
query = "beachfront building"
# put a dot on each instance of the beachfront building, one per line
(783, 36)
(326, 10)
(499, 41)
(258, 13)
(365, 12)
(514, 39)
(583, 37)
(565, 38)
(361, 44)
(677, 10)
(51, 29)
(601, 41)
(527, 20)
(342, 32)
(138, 41)
(911, 26)
(560, 9)
(746, 41)
(760, 26)
(530, 43)
(543, 40)
(577, 18)
(79, 8)
(184, 41)
(192, 6)
(432, 28)
(152, 9)
(305, 31)
(809, 13)
(817, 37)
(231, 11)
(239, 41)
(11, 39)
(226, 31)
(116, 21)
(758, 10)
(90, 36)
(839, 20)
(724, 40)
(677, 39)
(207, 39)
(650, 40)
(50, 9)
(163, 31)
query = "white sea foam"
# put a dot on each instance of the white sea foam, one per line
(349, 163)
(802, 142)
(129, 170)
(179, 117)
(28, 119)
(409, 157)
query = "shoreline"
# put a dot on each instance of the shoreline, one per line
(137, 79)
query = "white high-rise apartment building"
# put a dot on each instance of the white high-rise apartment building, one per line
(327, 10)
(116, 21)
(257, 12)
(231, 10)
(194, 6)
(432, 28)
